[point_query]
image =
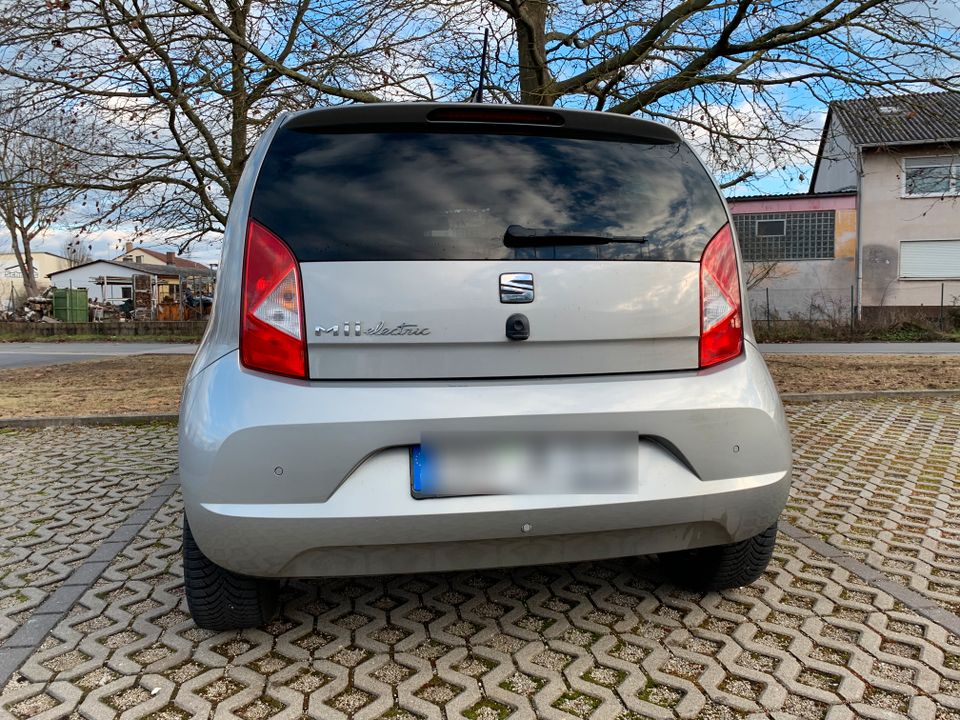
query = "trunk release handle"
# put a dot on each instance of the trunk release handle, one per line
(518, 327)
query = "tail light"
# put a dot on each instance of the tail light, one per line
(272, 333)
(721, 317)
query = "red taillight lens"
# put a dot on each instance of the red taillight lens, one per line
(721, 318)
(272, 334)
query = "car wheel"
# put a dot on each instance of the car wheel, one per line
(723, 566)
(220, 599)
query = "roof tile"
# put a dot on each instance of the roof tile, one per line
(894, 119)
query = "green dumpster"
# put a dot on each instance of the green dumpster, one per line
(70, 305)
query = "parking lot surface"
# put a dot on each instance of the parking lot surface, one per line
(856, 617)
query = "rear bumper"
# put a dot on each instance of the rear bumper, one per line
(296, 478)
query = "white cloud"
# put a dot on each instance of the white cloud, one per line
(109, 243)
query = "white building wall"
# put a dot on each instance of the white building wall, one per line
(88, 276)
(11, 281)
(837, 171)
(889, 218)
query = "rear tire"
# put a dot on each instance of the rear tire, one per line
(723, 566)
(220, 599)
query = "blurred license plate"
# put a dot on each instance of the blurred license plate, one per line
(450, 466)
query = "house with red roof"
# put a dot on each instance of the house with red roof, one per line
(140, 255)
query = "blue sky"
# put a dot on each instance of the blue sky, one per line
(791, 174)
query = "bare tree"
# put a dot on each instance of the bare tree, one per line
(77, 251)
(745, 80)
(35, 183)
(182, 88)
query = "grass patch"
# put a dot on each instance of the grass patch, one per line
(577, 703)
(657, 694)
(118, 386)
(605, 676)
(476, 711)
(839, 373)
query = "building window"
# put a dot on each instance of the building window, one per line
(786, 235)
(771, 228)
(930, 259)
(931, 176)
(139, 259)
(126, 292)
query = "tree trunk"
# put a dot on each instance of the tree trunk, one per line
(25, 262)
(238, 98)
(536, 82)
(20, 243)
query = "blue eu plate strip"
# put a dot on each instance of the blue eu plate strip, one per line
(420, 465)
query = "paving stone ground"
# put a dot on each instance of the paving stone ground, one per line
(877, 480)
(62, 492)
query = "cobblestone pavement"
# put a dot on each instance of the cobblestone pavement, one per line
(876, 480)
(879, 480)
(62, 492)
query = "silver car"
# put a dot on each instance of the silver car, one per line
(468, 336)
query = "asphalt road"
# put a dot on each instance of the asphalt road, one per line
(13, 355)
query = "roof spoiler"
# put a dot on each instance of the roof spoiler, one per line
(394, 116)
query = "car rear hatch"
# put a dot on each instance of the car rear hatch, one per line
(429, 246)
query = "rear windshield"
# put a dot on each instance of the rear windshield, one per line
(453, 196)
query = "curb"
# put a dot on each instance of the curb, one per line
(867, 395)
(89, 420)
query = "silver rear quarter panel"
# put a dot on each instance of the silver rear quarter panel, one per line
(287, 477)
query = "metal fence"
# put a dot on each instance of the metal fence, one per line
(937, 303)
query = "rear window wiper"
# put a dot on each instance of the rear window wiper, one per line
(518, 236)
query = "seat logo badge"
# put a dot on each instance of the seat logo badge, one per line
(356, 329)
(516, 288)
